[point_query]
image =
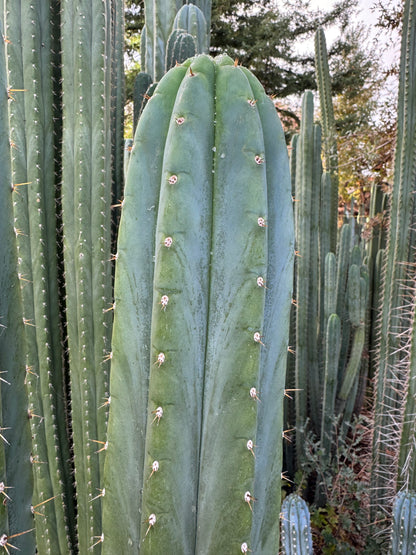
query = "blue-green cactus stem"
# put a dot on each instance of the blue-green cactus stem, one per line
(328, 124)
(296, 526)
(159, 17)
(192, 20)
(180, 47)
(209, 442)
(395, 329)
(303, 238)
(333, 346)
(132, 319)
(15, 467)
(31, 122)
(403, 530)
(86, 201)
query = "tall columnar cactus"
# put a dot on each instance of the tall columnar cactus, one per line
(200, 335)
(403, 530)
(16, 480)
(296, 526)
(328, 124)
(31, 31)
(87, 176)
(395, 368)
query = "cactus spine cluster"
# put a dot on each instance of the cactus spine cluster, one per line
(196, 407)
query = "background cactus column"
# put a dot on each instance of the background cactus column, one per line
(395, 353)
(15, 445)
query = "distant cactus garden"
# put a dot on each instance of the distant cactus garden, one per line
(197, 356)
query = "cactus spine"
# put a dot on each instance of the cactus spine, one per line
(200, 416)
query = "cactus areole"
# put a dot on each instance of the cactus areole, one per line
(199, 346)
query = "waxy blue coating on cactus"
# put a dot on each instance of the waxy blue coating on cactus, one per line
(216, 214)
(296, 526)
(403, 530)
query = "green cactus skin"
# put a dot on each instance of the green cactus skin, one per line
(88, 139)
(305, 158)
(192, 20)
(296, 526)
(29, 53)
(395, 362)
(159, 17)
(333, 346)
(403, 532)
(116, 91)
(211, 358)
(128, 145)
(328, 124)
(146, 52)
(205, 7)
(357, 301)
(15, 467)
(180, 47)
(141, 83)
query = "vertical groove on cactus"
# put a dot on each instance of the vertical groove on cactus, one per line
(395, 329)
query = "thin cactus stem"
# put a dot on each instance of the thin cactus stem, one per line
(328, 124)
(15, 467)
(31, 121)
(86, 199)
(393, 361)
